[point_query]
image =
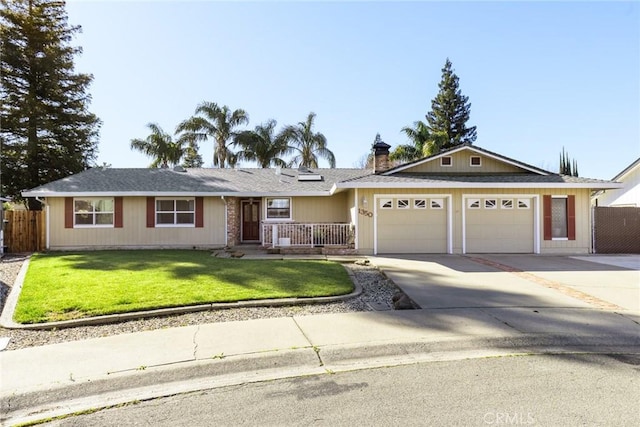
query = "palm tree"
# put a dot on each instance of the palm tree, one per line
(424, 143)
(216, 122)
(262, 146)
(309, 145)
(159, 145)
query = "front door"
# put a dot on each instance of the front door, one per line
(250, 220)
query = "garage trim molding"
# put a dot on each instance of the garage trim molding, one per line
(447, 197)
(536, 215)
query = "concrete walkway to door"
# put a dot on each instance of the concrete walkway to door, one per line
(531, 293)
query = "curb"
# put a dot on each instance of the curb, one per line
(6, 318)
(194, 375)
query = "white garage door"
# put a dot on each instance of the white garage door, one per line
(499, 225)
(411, 224)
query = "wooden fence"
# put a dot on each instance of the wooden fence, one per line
(24, 231)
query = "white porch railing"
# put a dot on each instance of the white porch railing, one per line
(307, 234)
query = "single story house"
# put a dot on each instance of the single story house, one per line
(462, 200)
(628, 195)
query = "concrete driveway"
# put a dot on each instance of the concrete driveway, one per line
(502, 281)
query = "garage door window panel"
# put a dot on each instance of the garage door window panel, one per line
(420, 204)
(506, 203)
(437, 203)
(473, 203)
(386, 204)
(403, 203)
(490, 203)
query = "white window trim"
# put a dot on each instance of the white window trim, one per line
(450, 161)
(422, 201)
(471, 161)
(174, 225)
(265, 202)
(92, 199)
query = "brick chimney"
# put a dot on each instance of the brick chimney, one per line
(380, 155)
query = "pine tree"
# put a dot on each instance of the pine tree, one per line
(192, 158)
(450, 111)
(47, 132)
(567, 166)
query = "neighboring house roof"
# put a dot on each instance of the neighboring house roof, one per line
(627, 170)
(628, 194)
(256, 182)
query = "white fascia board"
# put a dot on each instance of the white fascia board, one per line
(482, 185)
(171, 194)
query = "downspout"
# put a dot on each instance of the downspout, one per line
(226, 230)
(46, 221)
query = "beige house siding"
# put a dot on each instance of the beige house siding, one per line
(134, 233)
(461, 164)
(582, 244)
(321, 209)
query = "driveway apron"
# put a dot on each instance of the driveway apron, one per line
(454, 281)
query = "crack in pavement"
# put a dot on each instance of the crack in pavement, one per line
(195, 342)
(316, 349)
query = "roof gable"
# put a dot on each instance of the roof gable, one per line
(460, 162)
(626, 171)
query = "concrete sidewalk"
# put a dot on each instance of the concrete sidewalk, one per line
(469, 309)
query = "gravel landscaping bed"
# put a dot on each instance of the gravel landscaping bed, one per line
(377, 290)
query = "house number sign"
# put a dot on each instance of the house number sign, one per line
(365, 212)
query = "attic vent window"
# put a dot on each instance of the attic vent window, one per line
(475, 161)
(446, 161)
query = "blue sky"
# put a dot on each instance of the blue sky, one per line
(539, 75)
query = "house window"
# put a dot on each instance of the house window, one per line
(420, 204)
(403, 203)
(490, 203)
(446, 161)
(436, 203)
(93, 212)
(506, 203)
(475, 161)
(523, 203)
(279, 208)
(386, 204)
(175, 212)
(473, 203)
(559, 218)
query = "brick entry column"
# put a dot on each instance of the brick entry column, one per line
(233, 221)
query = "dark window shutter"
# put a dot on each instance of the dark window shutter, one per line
(151, 212)
(571, 217)
(68, 212)
(117, 214)
(199, 212)
(546, 215)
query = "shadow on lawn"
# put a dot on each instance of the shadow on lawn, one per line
(197, 266)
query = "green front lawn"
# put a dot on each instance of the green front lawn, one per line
(62, 286)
